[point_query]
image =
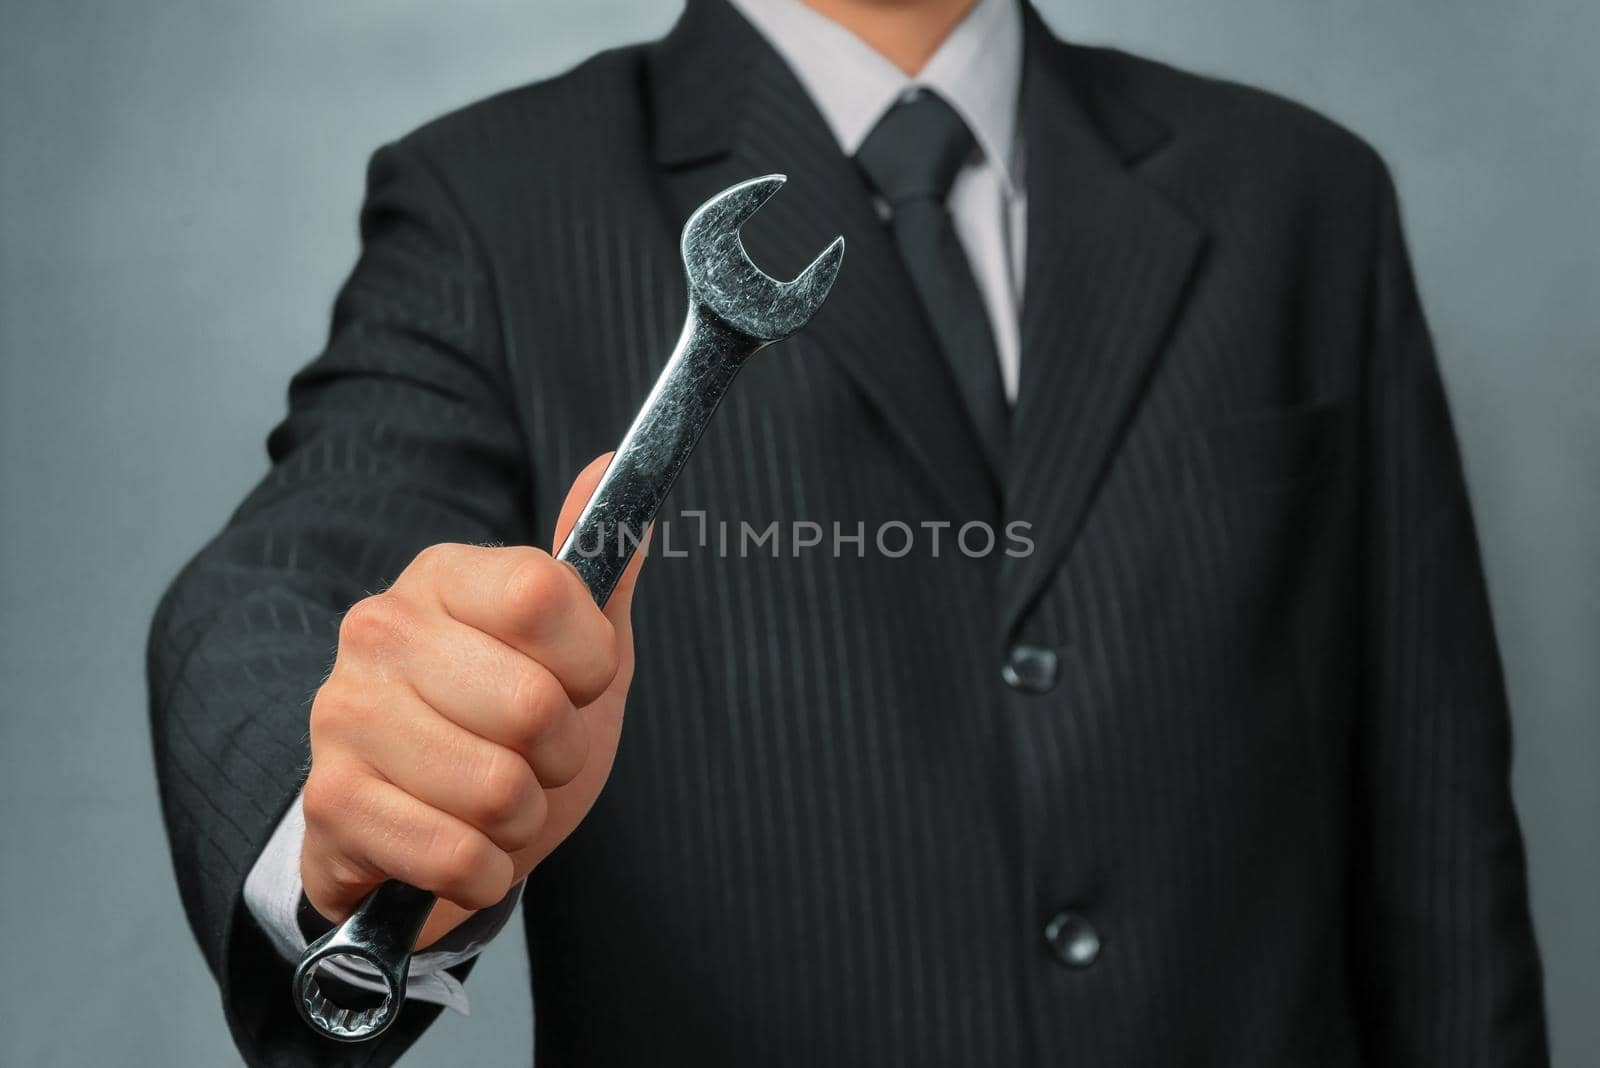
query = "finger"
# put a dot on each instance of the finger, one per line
(445, 917)
(578, 495)
(384, 833)
(619, 608)
(486, 687)
(448, 768)
(536, 605)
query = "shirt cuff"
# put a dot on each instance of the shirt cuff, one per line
(273, 893)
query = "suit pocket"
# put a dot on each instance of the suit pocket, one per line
(1270, 449)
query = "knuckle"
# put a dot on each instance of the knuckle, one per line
(430, 559)
(343, 723)
(373, 623)
(329, 710)
(468, 857)
(342, 880)
(603, 661)
(331, 883)
(572, 761)
(334, 708)
(330, 794)
(535, 812)
(468, 869)
(534, 705)
(505, 789)
(536, 590)
(431, 567)
(608, 656)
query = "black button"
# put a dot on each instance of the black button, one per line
(1072, 939)
(1031, 669)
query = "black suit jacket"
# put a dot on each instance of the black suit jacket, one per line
(1259, 753)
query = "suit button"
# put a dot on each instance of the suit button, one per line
(1072, 939)
(1031, 669)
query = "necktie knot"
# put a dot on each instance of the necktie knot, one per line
(915, 150)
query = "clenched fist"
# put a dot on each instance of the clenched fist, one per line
(469, 723)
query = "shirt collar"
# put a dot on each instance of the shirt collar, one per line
(977, 70)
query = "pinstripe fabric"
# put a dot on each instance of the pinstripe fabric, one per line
(1272, 775)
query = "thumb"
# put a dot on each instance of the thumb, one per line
(618, 607)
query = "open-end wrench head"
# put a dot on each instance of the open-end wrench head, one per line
(723, 279)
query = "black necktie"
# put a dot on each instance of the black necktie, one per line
(911, 158)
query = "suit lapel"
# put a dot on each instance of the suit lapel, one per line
(1108, 260)
(728, 108)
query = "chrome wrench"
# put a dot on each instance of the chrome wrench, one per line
(735, 310)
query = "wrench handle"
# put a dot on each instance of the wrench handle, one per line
(383, 929)
(703, 364)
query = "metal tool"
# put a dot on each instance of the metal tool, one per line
(735, 310)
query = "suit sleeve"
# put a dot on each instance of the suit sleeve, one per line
(400, 435)
(1447, 973)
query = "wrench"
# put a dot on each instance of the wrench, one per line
(735, 310)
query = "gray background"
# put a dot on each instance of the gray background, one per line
(178, 187)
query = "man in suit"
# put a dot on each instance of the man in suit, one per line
(1213, 773)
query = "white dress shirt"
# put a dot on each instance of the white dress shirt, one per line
(978, 71)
